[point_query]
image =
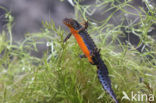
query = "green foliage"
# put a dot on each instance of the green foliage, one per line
(62, 77)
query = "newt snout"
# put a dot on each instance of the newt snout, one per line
(67, 22)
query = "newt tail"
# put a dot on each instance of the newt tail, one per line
(91, 52)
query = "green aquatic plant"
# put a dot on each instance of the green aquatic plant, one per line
(60, 76)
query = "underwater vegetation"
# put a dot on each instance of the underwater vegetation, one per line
(61, 76)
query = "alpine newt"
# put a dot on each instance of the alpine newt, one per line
(90, 51)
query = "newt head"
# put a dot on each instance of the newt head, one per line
(71, 23)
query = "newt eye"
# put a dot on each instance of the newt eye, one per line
(72, 23)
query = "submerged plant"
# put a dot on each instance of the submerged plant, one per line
(60, 76)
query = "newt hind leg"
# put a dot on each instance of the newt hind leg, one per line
(82, 56)
(95, 55)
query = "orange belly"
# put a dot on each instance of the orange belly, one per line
(82, 44)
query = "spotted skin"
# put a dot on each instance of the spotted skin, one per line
(90, 51)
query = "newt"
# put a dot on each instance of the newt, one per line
(90, 51)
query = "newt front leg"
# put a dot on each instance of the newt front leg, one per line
(85, 26)
(67, 37)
